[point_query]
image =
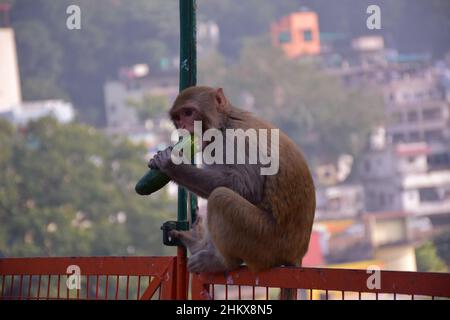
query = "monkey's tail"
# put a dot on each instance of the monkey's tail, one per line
(288, 294)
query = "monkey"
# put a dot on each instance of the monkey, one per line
(263, 221)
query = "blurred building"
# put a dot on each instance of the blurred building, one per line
(417, 110)
(208, 37)
(413, 177)
(12, 107)
(391, 238)
(24, 112)
(339, 201)
(10, 93)
(297, 34)
(132, 87)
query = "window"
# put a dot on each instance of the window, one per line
(428, 195)
(433, 135)
(414, 136)
(439, 160)
(398, 137)
(284, 37)
(397, 117)
(431, 114)
(367, 165)
(392, 97)
(419, 96)
(307, 35)
(412, 116)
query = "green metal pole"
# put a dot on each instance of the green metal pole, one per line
(188, 78)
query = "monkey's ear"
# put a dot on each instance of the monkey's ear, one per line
(221, 100)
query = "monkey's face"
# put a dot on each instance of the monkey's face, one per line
(184, 116)
(199, 104)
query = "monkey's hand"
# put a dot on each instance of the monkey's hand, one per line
(162, 160)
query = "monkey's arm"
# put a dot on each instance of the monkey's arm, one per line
(242, 179)
(201, 181)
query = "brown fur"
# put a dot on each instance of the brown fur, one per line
(267, 227)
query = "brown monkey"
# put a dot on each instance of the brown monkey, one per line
(262, 220)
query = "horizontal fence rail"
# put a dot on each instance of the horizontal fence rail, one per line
(131, 278)
(321, 284)
(86, 278)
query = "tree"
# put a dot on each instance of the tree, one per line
(442, 243)
(312, 107)
(75, 64)
(428, 260)
(69, 190)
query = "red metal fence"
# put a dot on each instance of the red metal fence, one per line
(105, 278)
(126, 278)
(321, 283)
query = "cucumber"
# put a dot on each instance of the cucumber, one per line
(154, 179)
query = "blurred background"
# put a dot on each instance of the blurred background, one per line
(84, 95)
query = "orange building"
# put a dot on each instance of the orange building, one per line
(297, 34)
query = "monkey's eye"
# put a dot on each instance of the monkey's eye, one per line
(188, 112)
(176, 118)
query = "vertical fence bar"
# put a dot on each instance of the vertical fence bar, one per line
(87, 287)
(96, 288)
(30, 282)
(117, 287)
(139, 288)
(59, 284)
(106, 287)
(11, 287)
(128, 285)
(20, 287)
(48, 286)
(3, 285)
(39, 288)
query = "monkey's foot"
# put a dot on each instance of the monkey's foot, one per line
(189, 239)
(206, 261)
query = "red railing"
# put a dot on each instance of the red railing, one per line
(321, 283)
(127, 278)
(100, 278)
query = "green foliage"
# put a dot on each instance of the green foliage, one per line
(69, 190)
(428, 259)
(442, 243)
(57, 62)
(312, 107)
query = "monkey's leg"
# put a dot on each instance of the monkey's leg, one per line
(193, 239)
(208, 260)
(240, 230)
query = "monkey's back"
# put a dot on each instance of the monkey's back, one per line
(289, 196)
